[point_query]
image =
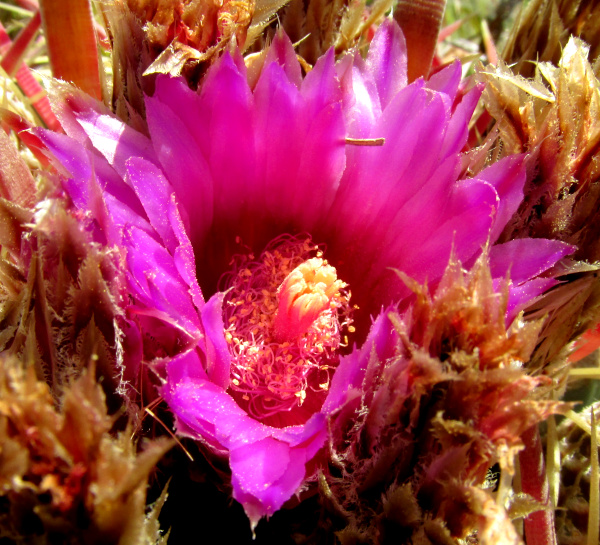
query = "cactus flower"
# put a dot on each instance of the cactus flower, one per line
(261, 241)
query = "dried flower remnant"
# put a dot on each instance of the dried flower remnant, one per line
(199, 28)
(176, 204)
(558, 124)
(561, 129)
(63, 476)
(175, 37)
(442, 397)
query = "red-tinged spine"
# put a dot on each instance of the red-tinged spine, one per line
(447, 31)
(588, 343)
(72, 46)
(31, 5)
(13, 57)
(11, 53)
(11, 121)
(421, 21)
(39, 100)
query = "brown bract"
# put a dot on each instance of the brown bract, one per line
(63, 476)
(433, 419)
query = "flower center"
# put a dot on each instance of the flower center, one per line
(284, 316)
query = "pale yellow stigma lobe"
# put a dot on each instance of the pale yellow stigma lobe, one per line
(307, 291)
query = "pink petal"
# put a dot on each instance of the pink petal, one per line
(360, 100)
(321, 87)
(227, 137)
(381, 180)
(179, 153)
(218, 355)
(183, 256)
(373, 172)
(279, 109)
(508, 177)
(464, 227)
(302, 171)
(523, 295)
(85, 166)
(266, 470)
(153, 191)
(458, 127)
(447, 80)
(282, 52)
(157, 282)
(526, 258)
(387, 61)
(421, 214)
(351, 373)
(114, 140)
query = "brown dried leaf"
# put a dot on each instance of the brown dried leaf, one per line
(314, 25)
(569, 310)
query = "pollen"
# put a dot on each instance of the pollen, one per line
(285, 315)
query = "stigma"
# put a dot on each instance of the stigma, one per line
(286, 315)
(309, 290)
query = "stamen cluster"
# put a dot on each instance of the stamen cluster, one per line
(284, 315)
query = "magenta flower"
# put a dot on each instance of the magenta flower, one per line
(250, 231)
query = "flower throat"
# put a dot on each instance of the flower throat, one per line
(285, 316)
